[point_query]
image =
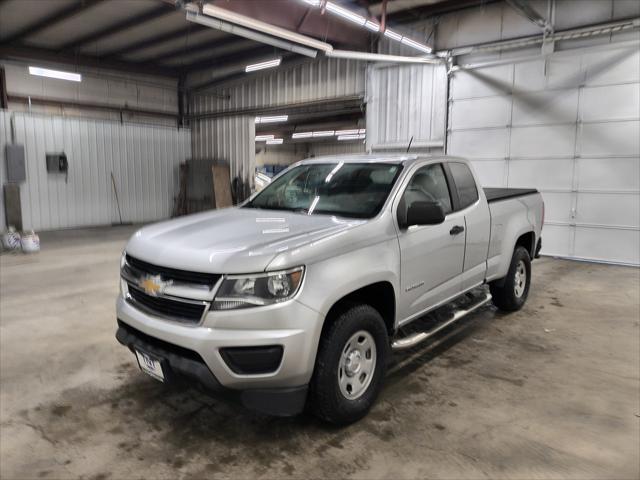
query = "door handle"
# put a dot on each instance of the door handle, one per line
(456, 230)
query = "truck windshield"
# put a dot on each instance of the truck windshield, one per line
(356, 190)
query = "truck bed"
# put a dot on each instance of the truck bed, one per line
(497, 194)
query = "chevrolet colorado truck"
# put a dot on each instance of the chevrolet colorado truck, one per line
(299, 296)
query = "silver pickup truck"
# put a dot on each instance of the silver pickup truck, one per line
(299, 296)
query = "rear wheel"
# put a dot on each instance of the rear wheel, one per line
(350, 365)
(510, 293)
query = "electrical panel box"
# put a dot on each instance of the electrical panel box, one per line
(16, 171)
(57, 163)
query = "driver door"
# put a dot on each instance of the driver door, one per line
(431, 256)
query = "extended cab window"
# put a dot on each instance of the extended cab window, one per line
(428, 184)
(356, 190)
(465, 184)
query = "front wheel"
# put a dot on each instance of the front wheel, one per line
(350, 365)
(510, 293)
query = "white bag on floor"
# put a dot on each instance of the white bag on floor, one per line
(30, 242)
(11, 239)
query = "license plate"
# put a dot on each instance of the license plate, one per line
(150, 365)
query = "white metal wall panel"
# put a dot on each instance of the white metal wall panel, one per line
(573, 131)
(5, 138)
(406, 101)
(328, 78)
(230, 140)
(143, 159)
(318, 149)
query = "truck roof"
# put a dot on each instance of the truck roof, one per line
(399, 158)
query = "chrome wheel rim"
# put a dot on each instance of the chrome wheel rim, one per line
(357, 365)
(520, 279)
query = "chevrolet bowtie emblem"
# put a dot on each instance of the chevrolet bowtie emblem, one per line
(153, 285)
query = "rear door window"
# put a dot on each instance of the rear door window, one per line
(465, 184)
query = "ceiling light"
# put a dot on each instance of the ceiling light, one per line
(374, 27)
(352, 137)
(264, 27)
(347, 132)
(393, 35)
(416, 45)
(346, 14)
(60, 75)
(313, 3)
(248, 33)
(275, 141)
(262, 65)
(272, 119)
(324, 133)
(381, 57)
(263, 138)
(302, 135)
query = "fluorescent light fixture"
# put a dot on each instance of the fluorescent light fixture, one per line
(324, 133)
(392, 35)
(302, 135)
(346, 14)
(416, 45)
(272, 119)
(247, 33)
(60, 75)
(351, 137)
(275, 141)
(264, 27)
(313, 3)
(262, 65)
(347, 132)
(381, 57)
(263, 138)
(373, 26)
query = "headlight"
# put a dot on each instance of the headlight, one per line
(243, 291)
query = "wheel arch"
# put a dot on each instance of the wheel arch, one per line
(378, 295)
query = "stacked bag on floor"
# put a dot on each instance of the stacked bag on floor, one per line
(29, 242)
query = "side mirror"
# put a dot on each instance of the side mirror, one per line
(425, 213)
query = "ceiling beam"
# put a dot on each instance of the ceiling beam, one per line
(32, 53)
(184, 49)
(440, 8)
(117, 27)
(50, 20)
(232, 58)
(155, 40)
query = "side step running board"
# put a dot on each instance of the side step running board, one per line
(416, 338)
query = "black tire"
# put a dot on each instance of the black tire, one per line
(504, 291)
(326, 398)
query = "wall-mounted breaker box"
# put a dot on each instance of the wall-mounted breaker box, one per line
(16, 171)
(57, 163)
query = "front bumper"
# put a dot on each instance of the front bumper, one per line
(290, 325)
(180, 363)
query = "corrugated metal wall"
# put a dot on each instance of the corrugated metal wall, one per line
(5, 137)
(328, 78)
(144, 161)
(405, 101)
(229, 140)
(336, 148)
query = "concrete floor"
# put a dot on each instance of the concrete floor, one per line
(549, 392)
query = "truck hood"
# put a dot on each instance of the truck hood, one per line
(233, 240)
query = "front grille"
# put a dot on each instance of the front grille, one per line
(173, 274)
(177, 310)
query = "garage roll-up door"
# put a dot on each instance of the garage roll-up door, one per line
(569, 126)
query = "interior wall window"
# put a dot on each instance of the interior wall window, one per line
(428, 184)
(465, 184)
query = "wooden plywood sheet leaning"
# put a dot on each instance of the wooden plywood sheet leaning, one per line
(221, 186)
